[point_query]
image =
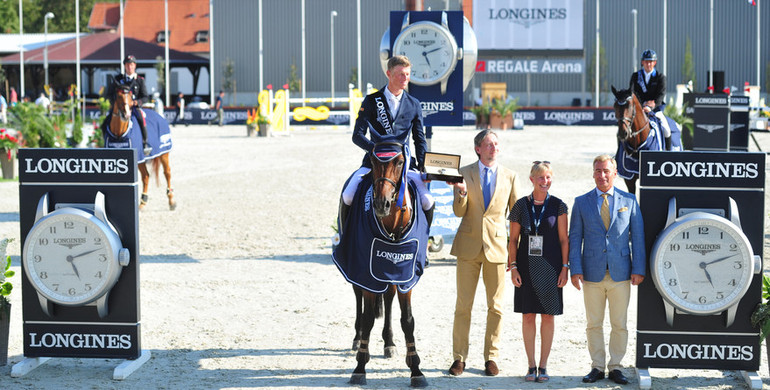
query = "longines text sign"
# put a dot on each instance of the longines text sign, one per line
(689, 169)
(77, 165)
(528, 25)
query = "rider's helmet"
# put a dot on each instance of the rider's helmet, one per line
(649, 55)
(129, 58)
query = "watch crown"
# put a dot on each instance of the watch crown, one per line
(124, 256)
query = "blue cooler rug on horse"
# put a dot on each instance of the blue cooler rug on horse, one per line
(368, 258)
(158, 136)
(628, 164)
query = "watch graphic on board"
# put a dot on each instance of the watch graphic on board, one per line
(431, 48)
(702, 263)
(73, 256)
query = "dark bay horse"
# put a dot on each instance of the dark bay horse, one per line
(633, 128)
(120, 126)
(392, 209)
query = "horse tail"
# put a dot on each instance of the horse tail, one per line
(155, 164)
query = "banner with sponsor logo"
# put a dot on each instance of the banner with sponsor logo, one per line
(71, 178)
(528, 24)
(699, 181)
(537, 66)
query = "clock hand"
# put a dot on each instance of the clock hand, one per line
(703, 266)
(424, 54)
(70, 259)
(82, 254)
(718, 260)
(436, 49)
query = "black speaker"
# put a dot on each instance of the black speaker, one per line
(719, 80)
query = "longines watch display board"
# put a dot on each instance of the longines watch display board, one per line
(79, 233)
(704, 225)
(434, 43)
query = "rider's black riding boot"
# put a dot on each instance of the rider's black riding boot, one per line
(429, 214)
(344, 212)
(145, 146)
(668, 143)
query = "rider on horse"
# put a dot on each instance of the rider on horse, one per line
(390, 111)
(649, 86)
(135, 83)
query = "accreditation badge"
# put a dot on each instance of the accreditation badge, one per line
(535, 245)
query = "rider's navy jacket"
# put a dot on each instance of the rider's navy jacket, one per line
(138, 90)
(374, 116)
(654, 90)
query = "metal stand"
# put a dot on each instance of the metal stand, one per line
(645, 380)
(752, 378)
(121, 372)
(128, 367)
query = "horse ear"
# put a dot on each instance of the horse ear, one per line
(614, 91)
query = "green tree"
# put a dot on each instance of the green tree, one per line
(228, 81)
(604, 85)
(353, 79)
(9, 17)
(160, 68)
(688, 66)
(294, 82)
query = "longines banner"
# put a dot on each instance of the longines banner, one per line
(528, 24)
(699, 181)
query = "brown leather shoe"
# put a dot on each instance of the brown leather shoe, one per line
(490, 368)
(457, 368)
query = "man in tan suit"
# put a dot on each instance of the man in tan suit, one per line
(482, 200)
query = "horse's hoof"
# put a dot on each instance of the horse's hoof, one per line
(390, 352)
(357, 379)
(356, 344)
(172, 206)
(419, 381)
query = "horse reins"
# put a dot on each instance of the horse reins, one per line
(629, 121)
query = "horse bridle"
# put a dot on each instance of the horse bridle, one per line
(627, 122)
(387, 180)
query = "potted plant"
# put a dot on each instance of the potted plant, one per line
(252, 116)
(482, 115)
(8, 145)
(264, 124)
(496, 114)
(760, 318)
(5, 304)
(511, 107)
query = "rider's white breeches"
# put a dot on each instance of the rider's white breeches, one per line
(426, 199)
(664, 124)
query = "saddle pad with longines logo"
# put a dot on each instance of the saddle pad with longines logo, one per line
(158, 136)
(366, 255)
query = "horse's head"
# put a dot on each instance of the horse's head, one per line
(123, 103)
(633, 125)
(387, 172)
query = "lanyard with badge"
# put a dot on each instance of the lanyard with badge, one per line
(535, 240)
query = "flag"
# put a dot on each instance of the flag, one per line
(752, 2)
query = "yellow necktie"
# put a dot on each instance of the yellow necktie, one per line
(605, 212)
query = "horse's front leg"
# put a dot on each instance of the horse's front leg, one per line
(367, 322)
(407, 325)
(387, 328)
(359, 314)
(145, 184)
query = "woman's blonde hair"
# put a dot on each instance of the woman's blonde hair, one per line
(540, 167)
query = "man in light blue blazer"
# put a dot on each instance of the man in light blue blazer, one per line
(607, 256)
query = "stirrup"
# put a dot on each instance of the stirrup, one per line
(147, 149)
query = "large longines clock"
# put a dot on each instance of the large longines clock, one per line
(73, 256)
(431, 48)
(702, 263)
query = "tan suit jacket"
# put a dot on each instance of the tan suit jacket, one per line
(484, 229)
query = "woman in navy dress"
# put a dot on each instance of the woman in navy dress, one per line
(538, 261)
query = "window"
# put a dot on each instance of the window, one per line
(202, 36)
(161, 37)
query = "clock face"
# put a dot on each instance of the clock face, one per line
(702, 264)
(431, 49)
(70, 258)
